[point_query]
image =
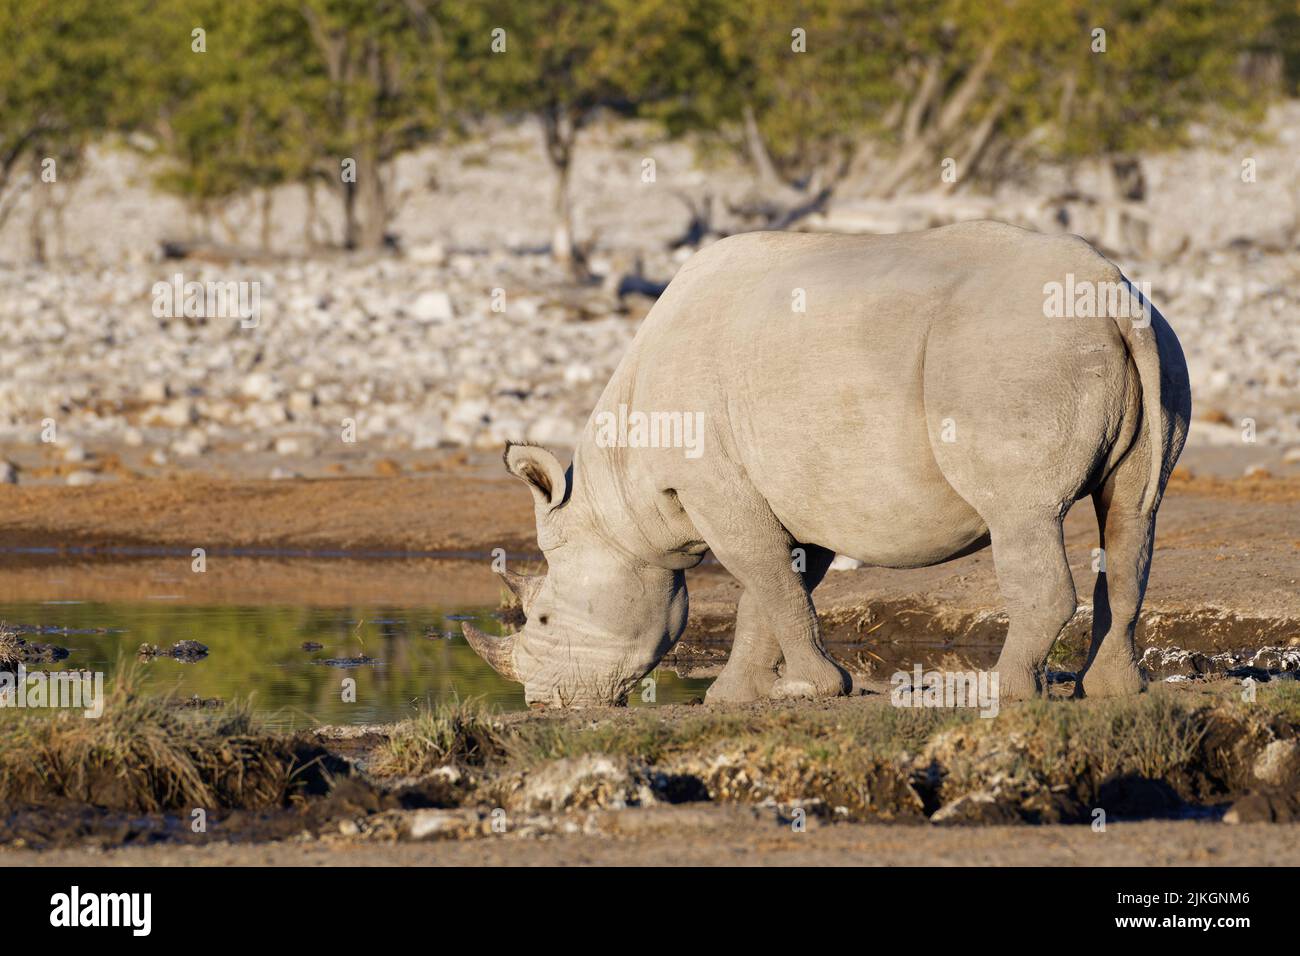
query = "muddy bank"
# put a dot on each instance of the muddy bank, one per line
(1226, 571)
(465, 775)
(458, 511)
(229, 580)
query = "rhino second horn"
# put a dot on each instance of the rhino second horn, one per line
(497, 651)
(523, 586)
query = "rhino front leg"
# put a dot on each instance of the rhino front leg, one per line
(752, 668)
(756, 549)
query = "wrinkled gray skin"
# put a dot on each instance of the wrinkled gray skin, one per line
(921, 408)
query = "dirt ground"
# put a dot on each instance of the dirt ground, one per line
(1226, 546)
(1228, 550)
(736, 836)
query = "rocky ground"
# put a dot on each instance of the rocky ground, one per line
(471, 335)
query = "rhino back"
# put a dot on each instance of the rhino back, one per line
(807, 355)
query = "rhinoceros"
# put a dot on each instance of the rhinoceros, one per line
(903, 400)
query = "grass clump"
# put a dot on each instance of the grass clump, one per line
(10, 655)
(144, 754)
(456, 732)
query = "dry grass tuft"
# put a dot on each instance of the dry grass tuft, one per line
(10, 656)
(460, 733)
(143, 754)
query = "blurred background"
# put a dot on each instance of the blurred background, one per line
(455, 212)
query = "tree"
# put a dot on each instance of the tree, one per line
(381, 95)
(563, 63)
(58, 89)
(295, 91)
(797, 90)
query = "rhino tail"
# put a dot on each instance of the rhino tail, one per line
(1166, 405)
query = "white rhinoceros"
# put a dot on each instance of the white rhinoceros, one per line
(903, 400)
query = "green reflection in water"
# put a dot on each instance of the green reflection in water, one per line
(255, 652)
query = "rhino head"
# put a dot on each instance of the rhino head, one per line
(599, 619)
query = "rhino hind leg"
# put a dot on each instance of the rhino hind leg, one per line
(1035, 580)
(752, 670)
(1127, 537)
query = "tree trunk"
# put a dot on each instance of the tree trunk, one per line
(562, 235)
(351, 227)
(370, 198)
(36, 224)
(759, 157)
(560, 130)
(268, 206)
(1123, 228)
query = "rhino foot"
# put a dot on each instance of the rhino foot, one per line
(1018, 682)
(828, 680)
(739, 685)
(1122, 679)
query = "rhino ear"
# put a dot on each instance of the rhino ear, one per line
(543, 473)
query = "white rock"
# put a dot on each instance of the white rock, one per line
(258, 385)
(192, 444)
(1278, 764)
(432, 306)
(79, 478)
(177, 414)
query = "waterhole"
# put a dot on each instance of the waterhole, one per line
(294, 664)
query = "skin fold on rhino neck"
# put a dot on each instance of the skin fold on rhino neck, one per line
(628, 511)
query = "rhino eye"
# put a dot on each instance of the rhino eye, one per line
(542, 618)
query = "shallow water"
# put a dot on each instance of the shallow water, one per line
(256, 653)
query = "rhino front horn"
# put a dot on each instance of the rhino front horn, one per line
(497, 651)
(523, 586)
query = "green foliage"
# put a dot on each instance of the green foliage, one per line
(60, 81)
(816, 78)
(288, 89)
(1167, 66)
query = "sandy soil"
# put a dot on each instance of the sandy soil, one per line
(1224, 545)
(737, 836)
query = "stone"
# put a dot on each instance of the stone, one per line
(1278, 764)
(431, 306)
